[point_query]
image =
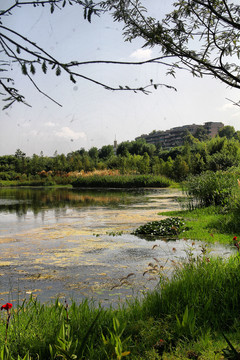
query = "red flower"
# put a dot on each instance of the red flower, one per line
(7, 306)
(235, 238)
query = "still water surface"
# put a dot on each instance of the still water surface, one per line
(77, 244)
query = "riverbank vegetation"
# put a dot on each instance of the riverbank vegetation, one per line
(198, 155)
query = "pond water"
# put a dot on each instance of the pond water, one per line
(77, 244)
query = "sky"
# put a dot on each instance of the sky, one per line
(91, 115)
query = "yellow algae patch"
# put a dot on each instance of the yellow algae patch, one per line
(5, 263)
(37, 277)
(7, 240)
(32, 291)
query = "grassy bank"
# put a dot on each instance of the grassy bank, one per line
(207, 224)
(186, 318)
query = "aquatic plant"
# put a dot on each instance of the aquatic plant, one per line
(169, 227)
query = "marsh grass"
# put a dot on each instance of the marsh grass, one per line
(123, 181)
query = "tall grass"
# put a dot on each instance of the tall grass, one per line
(208, 286)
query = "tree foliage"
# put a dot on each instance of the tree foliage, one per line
(177, 163)
(200, 36)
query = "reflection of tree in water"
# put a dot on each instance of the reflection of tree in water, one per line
(39, 200)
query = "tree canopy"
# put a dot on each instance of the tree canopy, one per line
(199, 36)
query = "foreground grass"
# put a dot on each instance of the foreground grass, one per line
(189, 315)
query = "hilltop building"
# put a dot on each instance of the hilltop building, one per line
(175, 136)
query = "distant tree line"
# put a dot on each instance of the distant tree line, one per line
(137, 157)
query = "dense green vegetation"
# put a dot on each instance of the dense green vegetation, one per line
(127, 181)
(170, 227)
(132, 157)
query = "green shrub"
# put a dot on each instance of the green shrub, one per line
(211, 188)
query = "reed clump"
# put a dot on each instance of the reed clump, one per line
(122, 181)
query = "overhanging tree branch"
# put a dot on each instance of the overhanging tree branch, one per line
(200, 36)
(20, 49)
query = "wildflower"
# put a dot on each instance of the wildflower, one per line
(7, 306)
(236, 243)
(159, 347)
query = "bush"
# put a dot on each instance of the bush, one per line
(211, 188)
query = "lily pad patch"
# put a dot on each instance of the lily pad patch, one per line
(169, 227)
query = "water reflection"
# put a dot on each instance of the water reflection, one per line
(38, 200)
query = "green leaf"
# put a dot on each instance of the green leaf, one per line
(24, 69)
(90, 11)
(32, 69)
(58, 71)
(44, 67)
